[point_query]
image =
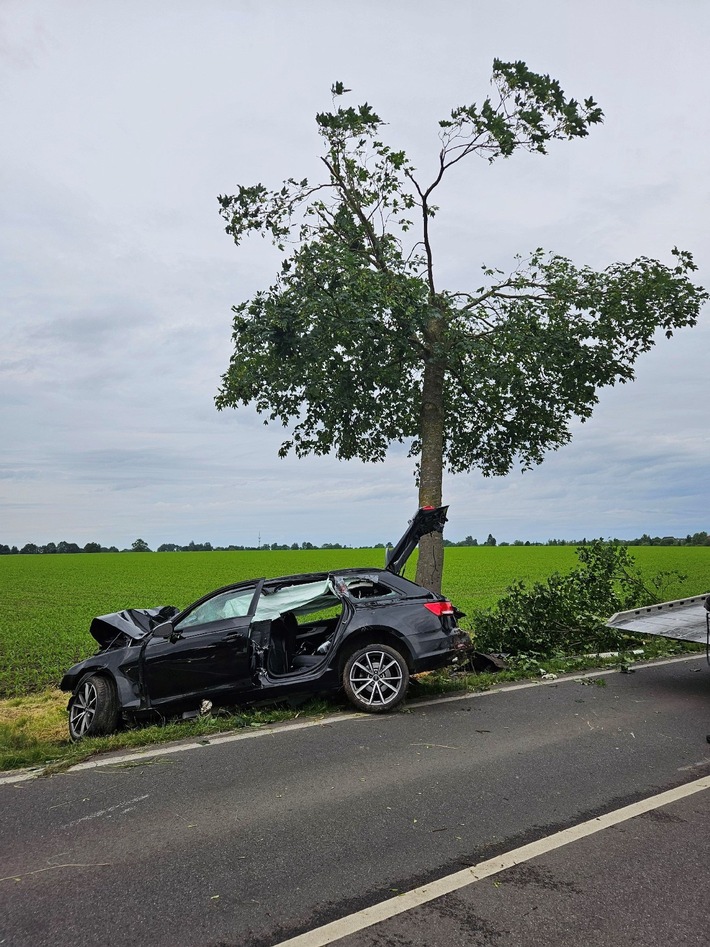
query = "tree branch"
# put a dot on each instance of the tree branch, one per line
(425, 226)
(355, 208)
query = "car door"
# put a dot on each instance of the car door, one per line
(208, 655)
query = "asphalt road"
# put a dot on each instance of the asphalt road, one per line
(642, 883)
(253, 841)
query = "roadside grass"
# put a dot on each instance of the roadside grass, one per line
(33, 729)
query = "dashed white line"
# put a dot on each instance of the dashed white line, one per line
(107, 811)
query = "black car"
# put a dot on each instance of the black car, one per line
(365, 630)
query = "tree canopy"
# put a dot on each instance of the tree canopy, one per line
(355, 346)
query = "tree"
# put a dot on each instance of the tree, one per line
(355, 346)
(64, 547)
(140, 545)
(490, 541)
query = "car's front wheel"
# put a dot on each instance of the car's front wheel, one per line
(93, 708)
(375, 678)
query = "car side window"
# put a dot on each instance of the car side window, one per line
(231, 604)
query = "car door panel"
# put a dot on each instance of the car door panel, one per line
(203, 661)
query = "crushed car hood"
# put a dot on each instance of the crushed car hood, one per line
(134, 623)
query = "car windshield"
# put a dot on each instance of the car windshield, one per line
(232, 604)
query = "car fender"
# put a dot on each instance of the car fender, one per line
(128, 698)
(369, 634)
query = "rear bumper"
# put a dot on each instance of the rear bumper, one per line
(452, 647)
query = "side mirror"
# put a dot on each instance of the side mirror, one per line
(164, 630)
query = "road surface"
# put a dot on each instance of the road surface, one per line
(255, 841)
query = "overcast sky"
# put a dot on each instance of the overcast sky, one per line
(122, 120)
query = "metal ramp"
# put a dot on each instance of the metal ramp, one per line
(683, 620)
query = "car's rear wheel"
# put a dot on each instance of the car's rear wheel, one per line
(375, 678)
(93, 708)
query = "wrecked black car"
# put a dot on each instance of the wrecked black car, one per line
(264, 640)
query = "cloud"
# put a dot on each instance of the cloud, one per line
(117, 279)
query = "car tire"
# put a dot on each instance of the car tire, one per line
(93, 708)
(375, 678)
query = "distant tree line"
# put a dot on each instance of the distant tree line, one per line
(208, 547)
(32, 549)
(470, 541)
(140, 545)
(696, 539)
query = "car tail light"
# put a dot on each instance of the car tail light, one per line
(440, 608)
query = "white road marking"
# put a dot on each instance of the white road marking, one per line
(329, 933)
(102, 812)
(22, 776)
(147, 753)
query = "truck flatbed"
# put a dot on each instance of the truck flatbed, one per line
(682, 620)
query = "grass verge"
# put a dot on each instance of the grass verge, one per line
(33, 729)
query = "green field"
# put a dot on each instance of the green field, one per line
(48, 601)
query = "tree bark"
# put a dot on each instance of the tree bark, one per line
(431, 548)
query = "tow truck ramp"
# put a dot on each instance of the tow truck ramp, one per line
(686, 619)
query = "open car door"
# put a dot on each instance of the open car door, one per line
(427, 519)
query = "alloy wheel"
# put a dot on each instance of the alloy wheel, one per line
(83, 709)
(376, 678)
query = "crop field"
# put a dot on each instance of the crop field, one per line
(49, 601)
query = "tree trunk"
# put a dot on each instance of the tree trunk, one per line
(431, 548)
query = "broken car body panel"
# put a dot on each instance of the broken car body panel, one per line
(134, 623)
(426, 520)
